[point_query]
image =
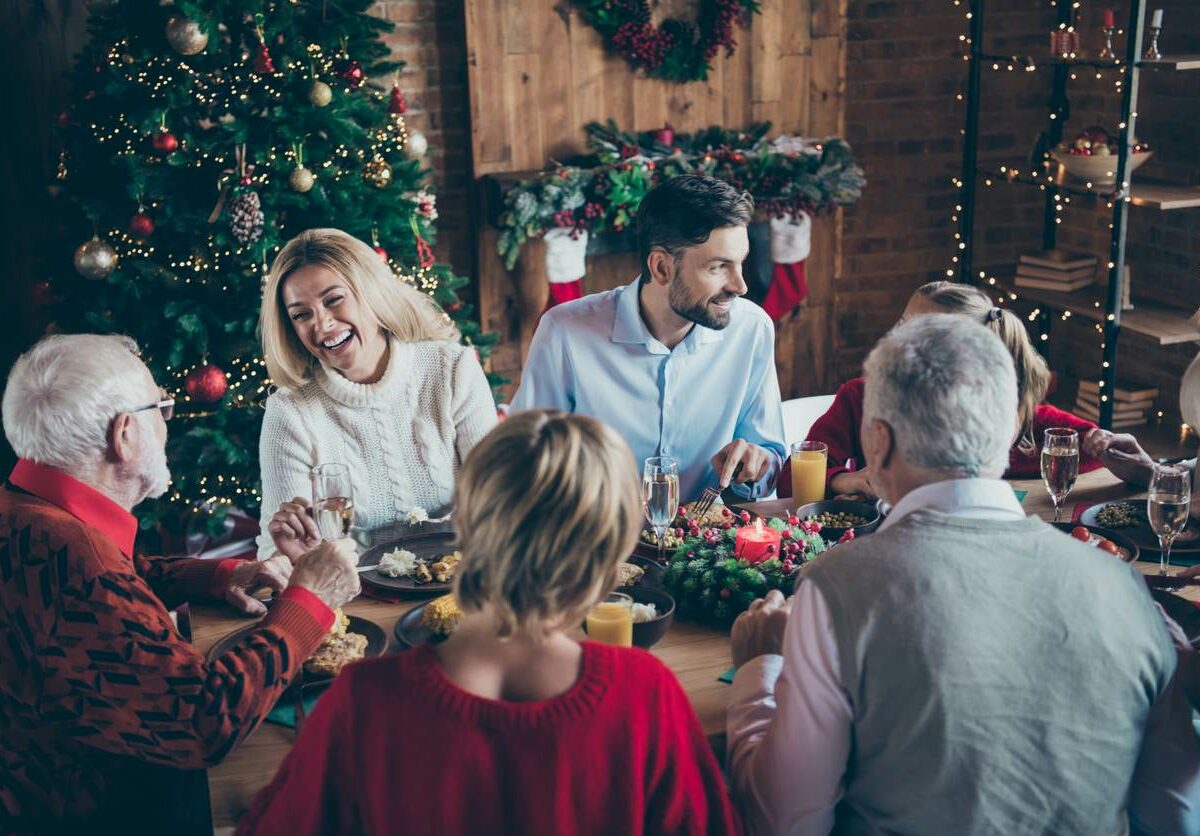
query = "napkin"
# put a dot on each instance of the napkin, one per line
(284, 712)
(728, 675)
(1020, 495)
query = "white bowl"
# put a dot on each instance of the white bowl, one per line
(1097, 170)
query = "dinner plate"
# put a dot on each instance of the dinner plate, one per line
(1119, 540)
(410, 630)
(1142, 534)
(427, 546)
(377, 642)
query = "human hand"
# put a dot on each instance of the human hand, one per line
(252, 575)
(755, 462)
(330, 571)
(759, 630)
(293, 529)
(854, 482)
(1121, 454)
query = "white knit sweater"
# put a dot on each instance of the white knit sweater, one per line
(403, 437)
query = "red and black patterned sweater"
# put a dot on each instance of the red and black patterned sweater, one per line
(94, 676)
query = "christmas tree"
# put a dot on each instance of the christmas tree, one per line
(204, 135)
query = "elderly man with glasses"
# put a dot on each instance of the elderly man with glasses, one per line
(101, 700)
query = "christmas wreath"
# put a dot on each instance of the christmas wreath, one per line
(712, 584)
(675, 50)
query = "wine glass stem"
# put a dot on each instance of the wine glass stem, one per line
(1165, 555)
(1057, 510)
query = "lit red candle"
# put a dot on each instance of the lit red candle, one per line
(1109, 20)
(756, 543)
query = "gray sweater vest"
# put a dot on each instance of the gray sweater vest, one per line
(1000, 675)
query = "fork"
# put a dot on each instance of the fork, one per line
(710, 495)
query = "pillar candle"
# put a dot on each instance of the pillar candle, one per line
(1109, 19)
(1156, 21)
(756, 543)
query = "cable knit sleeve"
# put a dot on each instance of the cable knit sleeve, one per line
(284, 456)
(472, 406)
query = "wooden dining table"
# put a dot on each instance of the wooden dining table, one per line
(698, 655)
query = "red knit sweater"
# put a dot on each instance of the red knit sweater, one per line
(95, 682)
(394, 746)
(838, 428)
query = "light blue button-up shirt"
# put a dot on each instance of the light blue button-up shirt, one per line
(595, 356)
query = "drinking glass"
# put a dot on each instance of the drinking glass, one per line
(1060, 464)
(333, 500)
(1167, 507)
(809, 467)
(660, 495)
(611, 621)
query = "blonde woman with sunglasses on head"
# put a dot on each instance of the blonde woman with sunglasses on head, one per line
(371, 374)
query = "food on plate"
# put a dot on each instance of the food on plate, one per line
(838, 519)
(441, 615)
(629, 573)
(338, 649)
(398, 563)
(715, 515)
(644, 612)
(443, 568)
(1085, 535)
(1118, 515)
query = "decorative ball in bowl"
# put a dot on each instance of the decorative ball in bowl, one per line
(1100, 170)
(837, 516)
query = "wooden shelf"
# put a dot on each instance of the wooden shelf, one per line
(1169, 326)
(1149, 193)
(1172, 62)
(1025, 62)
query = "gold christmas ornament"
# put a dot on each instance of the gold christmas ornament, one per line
(377, 172)
(185, 36)
(301, 179)
(95, 259)
(320, 93)
(416, 146)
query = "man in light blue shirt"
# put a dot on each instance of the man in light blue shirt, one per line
(674, 361)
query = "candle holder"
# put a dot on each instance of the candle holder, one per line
(1152, 53)
(1108, 52)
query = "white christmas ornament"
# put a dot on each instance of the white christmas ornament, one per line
(791, 238)
(417, 145)
(565, 255)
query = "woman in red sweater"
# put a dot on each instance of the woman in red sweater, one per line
(838, 428)
(511, 725)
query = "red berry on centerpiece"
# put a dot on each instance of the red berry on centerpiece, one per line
(725, 512)
(744, 516)
(725, 593)
(770, 548)
(793, 520)
(683, 512)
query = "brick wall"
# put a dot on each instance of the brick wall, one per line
(430, 36)
(905, 123)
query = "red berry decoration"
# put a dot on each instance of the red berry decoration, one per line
(793, 520)
(665, 136)
(353, 74)
(397, 106)
(744, 516)
(141, 226)
(164, 142)
(206, 384)
(725, 593)
(381, 252)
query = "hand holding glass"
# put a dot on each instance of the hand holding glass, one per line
(1060, 465)
(660, 495)
(1167, 507)
(333, 500)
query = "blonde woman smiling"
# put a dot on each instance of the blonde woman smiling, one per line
(371, 374)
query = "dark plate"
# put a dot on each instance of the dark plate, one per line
(653, 571)
(1182, 611)
(377, 642)
(427, 546)
(867, 511)
(411, 632)
(1142, 535)
(1119, 539)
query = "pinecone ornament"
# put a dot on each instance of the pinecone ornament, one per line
(245, 216)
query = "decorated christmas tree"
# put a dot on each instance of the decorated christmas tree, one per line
(204, 134)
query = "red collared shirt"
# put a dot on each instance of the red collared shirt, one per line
(94, 678)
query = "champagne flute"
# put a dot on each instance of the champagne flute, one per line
(1060, 465)
(660, 495)
(1167, 507)
(333, 500)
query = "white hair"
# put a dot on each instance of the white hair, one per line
(63, 393)
(947, 387)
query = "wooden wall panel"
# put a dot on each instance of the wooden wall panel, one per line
(538, 74)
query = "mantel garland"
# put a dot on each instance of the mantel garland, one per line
(786, 176)
(675, 50)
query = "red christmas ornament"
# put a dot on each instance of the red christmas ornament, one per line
(206, 384)
(454, 307)
(262, 60)
(353, 74)
(424, 252)
(665, 136)
(397, 105)
(141, 226)
(164, 142)
(381, 252)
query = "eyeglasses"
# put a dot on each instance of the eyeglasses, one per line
(166, 406)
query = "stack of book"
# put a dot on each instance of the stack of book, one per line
(1056, 270)
(1131, 403)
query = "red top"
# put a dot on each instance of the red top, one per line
(394, 746)
(839, 427)
(95, 682)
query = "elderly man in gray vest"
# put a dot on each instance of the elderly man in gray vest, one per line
(966, 669)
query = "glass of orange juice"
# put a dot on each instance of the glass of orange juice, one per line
(611, 621)
(808, 471)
